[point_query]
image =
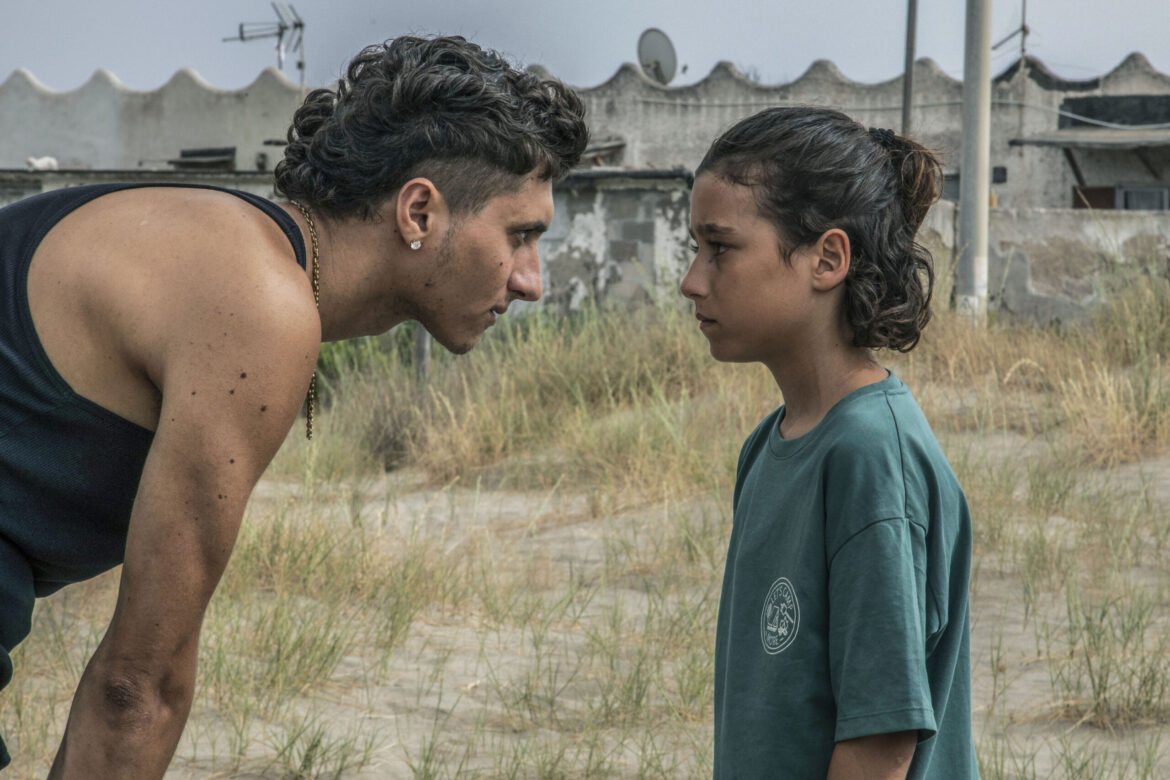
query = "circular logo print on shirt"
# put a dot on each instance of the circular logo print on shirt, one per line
(780, 619)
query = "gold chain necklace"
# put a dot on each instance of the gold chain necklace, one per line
(311, 399)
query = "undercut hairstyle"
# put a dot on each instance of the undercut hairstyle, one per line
(814, 169)
(442, 108)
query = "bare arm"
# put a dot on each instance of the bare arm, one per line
(233, 367)
(877, 757)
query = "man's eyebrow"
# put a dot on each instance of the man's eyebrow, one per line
(536, 226)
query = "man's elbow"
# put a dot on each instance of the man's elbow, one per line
(141, 703)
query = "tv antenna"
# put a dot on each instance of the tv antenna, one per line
(656, 56)
(289, 24)
(1021, 31)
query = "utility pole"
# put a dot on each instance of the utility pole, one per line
(908, 71)
(975, 174)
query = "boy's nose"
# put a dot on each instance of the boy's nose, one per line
(691, 286)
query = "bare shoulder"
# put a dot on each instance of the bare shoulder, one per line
(211, 250)
(139, 283)
(235, 329)
(181, 260)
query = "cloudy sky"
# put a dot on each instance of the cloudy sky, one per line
(143, 42)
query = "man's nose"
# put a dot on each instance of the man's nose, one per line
(525, 282)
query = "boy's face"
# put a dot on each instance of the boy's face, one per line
(751, 304)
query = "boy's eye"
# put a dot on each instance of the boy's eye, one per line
(716, 247)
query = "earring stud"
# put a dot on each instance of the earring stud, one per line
(416, 244)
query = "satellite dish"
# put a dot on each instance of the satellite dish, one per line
(656, 55)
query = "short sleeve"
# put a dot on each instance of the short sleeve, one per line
(877, 644)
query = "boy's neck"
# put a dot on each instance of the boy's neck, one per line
(813, 383)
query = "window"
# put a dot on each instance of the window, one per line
(950, 190)
(1143, 198)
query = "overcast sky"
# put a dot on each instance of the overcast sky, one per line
(143, 42)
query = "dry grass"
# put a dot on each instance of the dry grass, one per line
(531, 592)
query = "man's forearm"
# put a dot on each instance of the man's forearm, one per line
(119, 730)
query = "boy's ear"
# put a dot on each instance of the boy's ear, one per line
(831, 252)
(420, 211)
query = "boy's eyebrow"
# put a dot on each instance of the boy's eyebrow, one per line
(713, 229)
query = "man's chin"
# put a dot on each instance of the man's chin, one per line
(459, 345)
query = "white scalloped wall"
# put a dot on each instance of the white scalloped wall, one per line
(672, 126)
(104, 125)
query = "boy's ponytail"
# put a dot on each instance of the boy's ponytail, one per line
(896, 316)
(919, 178)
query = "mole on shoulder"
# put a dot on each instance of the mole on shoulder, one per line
(264, 408)
(232, 391)
(243, 375)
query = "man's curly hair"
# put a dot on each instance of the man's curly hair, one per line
(440, 107)
(813, 169)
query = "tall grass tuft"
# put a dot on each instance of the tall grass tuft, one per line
(513, 569)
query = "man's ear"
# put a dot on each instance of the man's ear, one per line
(831, 252)
(421, 212)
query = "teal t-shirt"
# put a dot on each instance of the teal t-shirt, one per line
(844, 609)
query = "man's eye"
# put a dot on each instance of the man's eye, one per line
(694, 248)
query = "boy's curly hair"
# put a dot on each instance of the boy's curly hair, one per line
(813, 169)
(438, 107)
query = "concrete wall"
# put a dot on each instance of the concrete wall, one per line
(620, 237)
(15, 185)
(1051, 264)
(103, 125)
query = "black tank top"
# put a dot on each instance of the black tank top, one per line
(69, 469)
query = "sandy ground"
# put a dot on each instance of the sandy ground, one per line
(443, 689)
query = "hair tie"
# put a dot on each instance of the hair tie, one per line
(883, 136)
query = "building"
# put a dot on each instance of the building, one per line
(1057, 146)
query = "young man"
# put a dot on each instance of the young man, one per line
(158, 342)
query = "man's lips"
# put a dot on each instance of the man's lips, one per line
(495, 311)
